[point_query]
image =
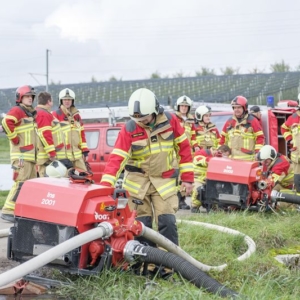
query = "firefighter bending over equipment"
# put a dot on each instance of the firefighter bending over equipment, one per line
(290, 130)
(20, 128)
(207, 134)
(277, 167)
(51, 142)
(145, 148)
(186, 120)
(72, 127)
(242, 132)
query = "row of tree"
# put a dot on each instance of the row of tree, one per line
(274, 68)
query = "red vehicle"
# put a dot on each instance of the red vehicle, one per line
(101, 137)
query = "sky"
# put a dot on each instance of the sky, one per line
(132, 39)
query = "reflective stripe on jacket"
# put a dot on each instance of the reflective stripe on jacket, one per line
(244, 137)
(290, 130)
(20, 125)
(73, 131)
(51, 141)
(207, 135)
(147, 156)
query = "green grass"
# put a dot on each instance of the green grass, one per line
(4, 150)
(3, 195)
(258, 277)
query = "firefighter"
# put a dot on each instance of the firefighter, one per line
(290, 130)
(256, 112)
(72, 128)
(277, 167)
(20, 128)
(51, 144)
(186, 120)
(145, 147)
(201, 161)
(207, 134)
(242, 132)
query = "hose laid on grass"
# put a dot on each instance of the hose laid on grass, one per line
(186, 269)
(165, 243)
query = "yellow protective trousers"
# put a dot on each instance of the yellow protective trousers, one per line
(20, 174)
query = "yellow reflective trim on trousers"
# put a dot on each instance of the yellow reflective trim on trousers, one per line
(109, 178)
(167, 188)
(131, 186)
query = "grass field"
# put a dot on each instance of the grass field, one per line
(4, 150)
(258, 277)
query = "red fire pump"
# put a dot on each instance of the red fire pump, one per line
(236, 184)
(50, 211)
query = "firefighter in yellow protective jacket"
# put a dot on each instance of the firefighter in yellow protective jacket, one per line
(20, 128)
(145, 148)
(187, 121)
(51, 144)
(72, 128)
(242, 133)
(206, 133)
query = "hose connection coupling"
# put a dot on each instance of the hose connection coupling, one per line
(108, 229)
(262, 185)
(133, 248)
(276, 196)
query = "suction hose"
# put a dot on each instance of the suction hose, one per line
(287, 196)
(165, 243)
(185, 268)
(104, 229)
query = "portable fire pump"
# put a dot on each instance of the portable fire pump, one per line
(239, 185)
(50, 211)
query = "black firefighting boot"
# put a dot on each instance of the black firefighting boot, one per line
(181, 202)
(297, 182)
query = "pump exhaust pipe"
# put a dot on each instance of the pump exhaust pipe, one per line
(285, 197)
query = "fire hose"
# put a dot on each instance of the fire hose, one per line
(176, 258)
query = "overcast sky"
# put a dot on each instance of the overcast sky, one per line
(131, 39)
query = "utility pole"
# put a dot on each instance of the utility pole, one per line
(47, 68)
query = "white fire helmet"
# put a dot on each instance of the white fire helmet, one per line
(266, 152)
(201, 111)
(142, 103)
(184, 100)
(66, 94)
(56, 170)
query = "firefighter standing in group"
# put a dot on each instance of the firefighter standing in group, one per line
(20, 128)
(186, 120)
(51, 144)
(242, 132)
(207, 134)
(72, 128)
(290, 130)
(145, 149)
